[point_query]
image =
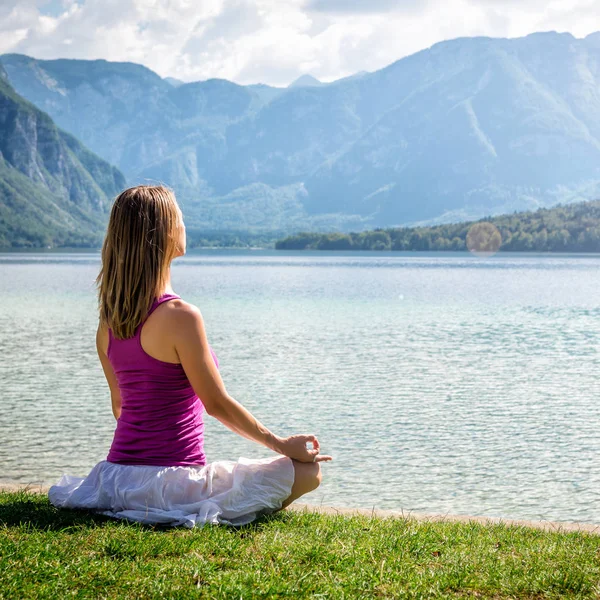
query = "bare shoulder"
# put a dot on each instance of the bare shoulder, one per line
(182, 315)
(185, 325)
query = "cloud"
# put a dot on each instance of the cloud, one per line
(270, 41)
(364, 6)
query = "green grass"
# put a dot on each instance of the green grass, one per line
(50, 553)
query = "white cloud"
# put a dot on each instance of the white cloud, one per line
(272, 41)
(364, 6)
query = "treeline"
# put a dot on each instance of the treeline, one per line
(230, 239)
(568, 228)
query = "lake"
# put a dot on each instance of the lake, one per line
(440, 383)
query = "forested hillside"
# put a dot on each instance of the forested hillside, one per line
(53, 191)
(572, 228)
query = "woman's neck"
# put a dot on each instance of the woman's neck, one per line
(167, 289)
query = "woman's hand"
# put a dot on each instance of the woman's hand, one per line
(295, 447)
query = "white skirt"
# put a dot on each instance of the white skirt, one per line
(227, 492)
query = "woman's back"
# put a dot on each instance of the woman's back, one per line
(161, 415)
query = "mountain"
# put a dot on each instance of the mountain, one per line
(173, 81)
(265, 92)
(487, 126)
(53, 191)
(467, 128)
(306, 80)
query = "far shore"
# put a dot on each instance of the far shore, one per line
(556, 526)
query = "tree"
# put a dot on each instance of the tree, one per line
(377, 240)
(335, 241)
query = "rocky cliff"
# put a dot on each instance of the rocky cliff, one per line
(53, 191)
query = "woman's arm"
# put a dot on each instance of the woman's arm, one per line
(193, 351)
(115, 394)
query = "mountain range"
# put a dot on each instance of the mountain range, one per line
(467, 128)
(53, 190)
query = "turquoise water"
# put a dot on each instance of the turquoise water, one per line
(440, 383)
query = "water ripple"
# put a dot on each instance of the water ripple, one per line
(439, 384)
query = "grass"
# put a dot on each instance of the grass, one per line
(50, 553)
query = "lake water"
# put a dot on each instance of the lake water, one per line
(439, 383)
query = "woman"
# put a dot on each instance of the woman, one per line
(158, 364)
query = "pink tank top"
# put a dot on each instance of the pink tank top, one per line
(161, 415)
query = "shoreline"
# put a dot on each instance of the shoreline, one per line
(555, 526)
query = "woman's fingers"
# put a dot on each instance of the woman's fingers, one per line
(299, 449)
(323, 458)
(313, 439)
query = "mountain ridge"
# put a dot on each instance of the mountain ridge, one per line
(470, 126)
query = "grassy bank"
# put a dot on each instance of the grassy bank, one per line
(46, 553)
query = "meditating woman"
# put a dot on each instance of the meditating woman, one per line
(162, 374)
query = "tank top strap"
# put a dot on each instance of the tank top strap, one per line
(158, 301)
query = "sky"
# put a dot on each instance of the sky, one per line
(271, 41)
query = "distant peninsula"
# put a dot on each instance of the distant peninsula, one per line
(569, 228)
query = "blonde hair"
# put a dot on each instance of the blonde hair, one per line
(140, 243)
